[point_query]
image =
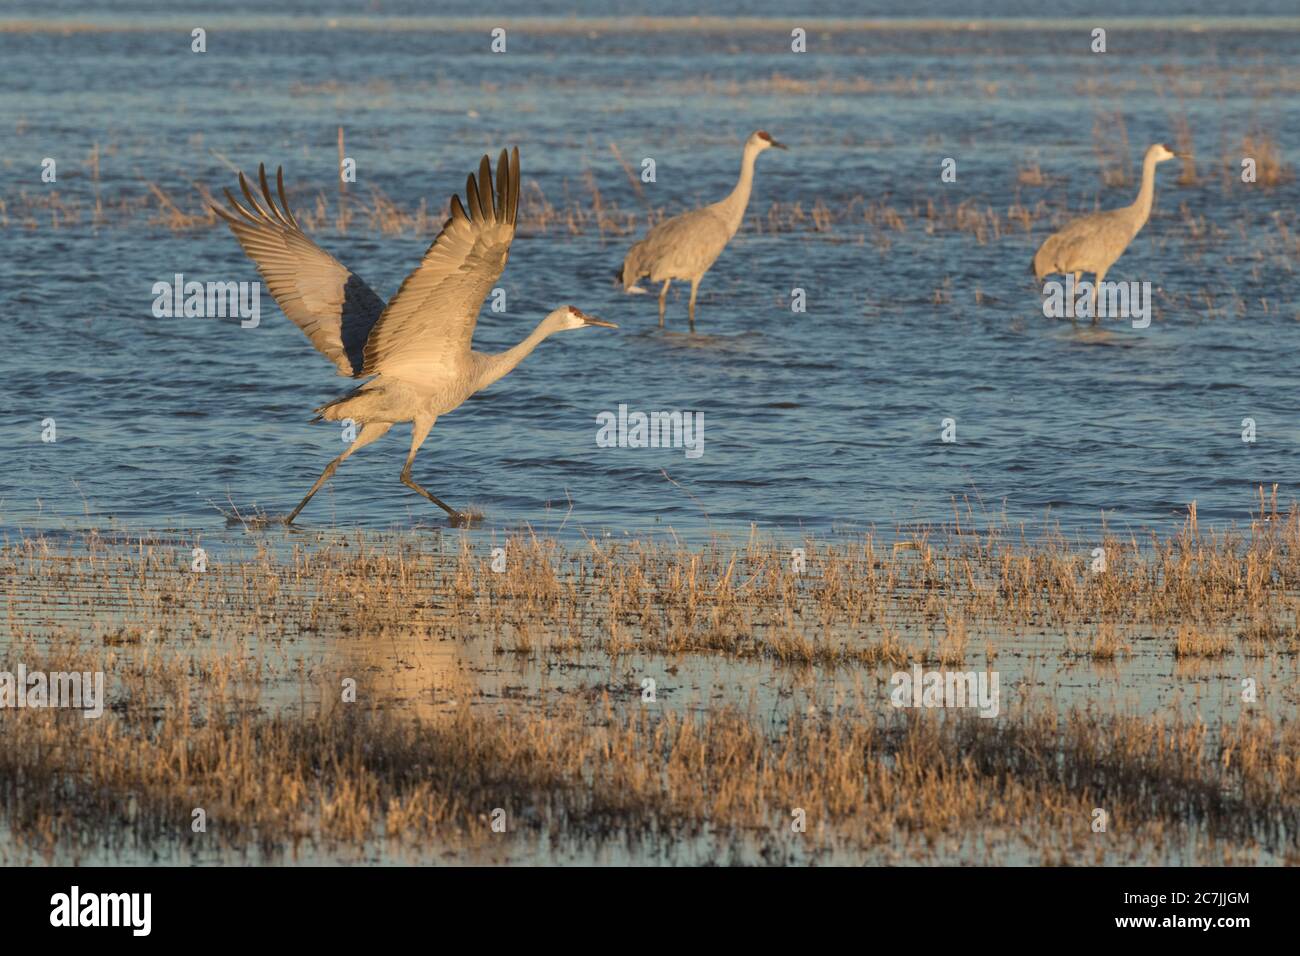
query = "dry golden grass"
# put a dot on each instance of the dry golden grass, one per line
(856, 603)
(337, 779)
(224, 694)
(1031, 174)
(586, 212)
(1105, 646)
(1110, 143)
(1185, 147)
(1192, 642)
(1270, 169)
(622, 212)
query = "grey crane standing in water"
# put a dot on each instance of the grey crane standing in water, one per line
(417, 346)
(685, 246)
(1093, 243)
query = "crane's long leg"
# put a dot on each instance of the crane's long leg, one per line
(1074, 317)
(695, 287)
(369, 432)
(1096, 290)
(419, 432)
(663, 297)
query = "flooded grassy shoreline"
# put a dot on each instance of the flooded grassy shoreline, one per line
(637, 701)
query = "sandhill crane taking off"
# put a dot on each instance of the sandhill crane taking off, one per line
(1093, 243)
(685, 246)
(418, 345)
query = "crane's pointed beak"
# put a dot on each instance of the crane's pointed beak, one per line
(592, 320)
(777, 145)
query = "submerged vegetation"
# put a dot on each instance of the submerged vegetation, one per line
(587, 207)
(587, 776)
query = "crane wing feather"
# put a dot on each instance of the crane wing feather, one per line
(431, 318)
(331, 304)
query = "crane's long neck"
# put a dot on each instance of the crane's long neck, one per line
(493, 367)
(733, 207)
(1146, 195)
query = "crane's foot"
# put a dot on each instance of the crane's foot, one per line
(461, 519)
(464, 519)
(457, 519)
(254, 522)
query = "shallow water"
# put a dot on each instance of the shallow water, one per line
(828, 420)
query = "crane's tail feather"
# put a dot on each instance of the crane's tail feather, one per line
(333, 411)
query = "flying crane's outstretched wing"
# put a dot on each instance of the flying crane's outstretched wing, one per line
(431, 318)
(331, 304)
